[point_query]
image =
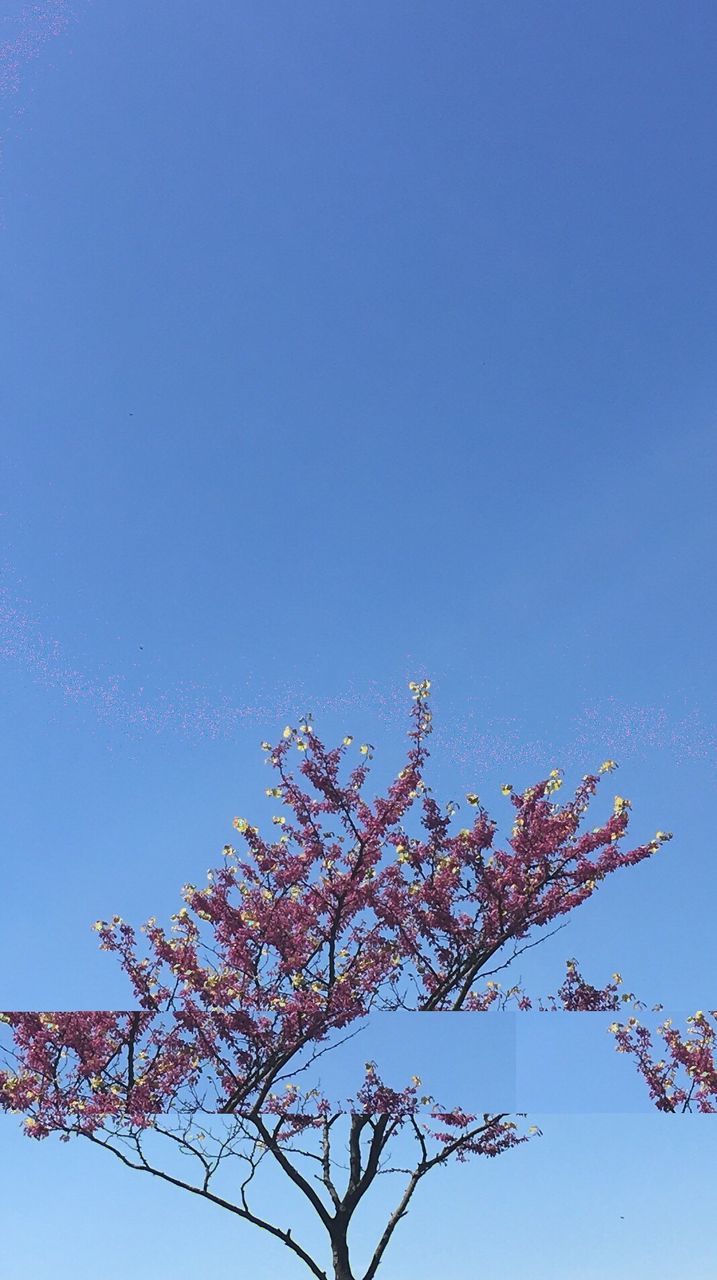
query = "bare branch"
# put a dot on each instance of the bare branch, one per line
(241, 1212)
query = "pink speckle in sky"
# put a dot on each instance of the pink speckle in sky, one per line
(466, 737)
(26, 32)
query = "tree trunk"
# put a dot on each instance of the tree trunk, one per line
(340, 1255)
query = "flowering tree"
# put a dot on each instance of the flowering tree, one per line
(291, 944)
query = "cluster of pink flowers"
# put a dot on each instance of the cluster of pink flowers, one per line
(684, 1078)
(687, 1077)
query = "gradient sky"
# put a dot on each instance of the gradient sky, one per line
(344, 345)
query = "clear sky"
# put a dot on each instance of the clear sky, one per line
(343, 345)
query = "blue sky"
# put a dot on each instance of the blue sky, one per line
(344, 346)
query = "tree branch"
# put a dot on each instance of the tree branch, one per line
(284, 1236)
(297, 1178)
(399, 1212)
